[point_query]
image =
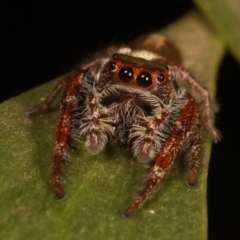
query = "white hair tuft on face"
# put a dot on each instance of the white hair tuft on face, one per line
(144, 54)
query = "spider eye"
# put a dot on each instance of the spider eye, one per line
(112, 66)
(126, 74)
(144, 79)
(160, 78)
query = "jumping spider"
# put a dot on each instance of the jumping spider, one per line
(139, 96)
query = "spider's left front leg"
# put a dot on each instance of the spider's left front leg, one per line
(181, 130)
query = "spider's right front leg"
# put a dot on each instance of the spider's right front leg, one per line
(63, 131)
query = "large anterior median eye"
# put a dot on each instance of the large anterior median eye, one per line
(126, 74)
(144, 79)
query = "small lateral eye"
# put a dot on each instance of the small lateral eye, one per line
(112, 66)
(160, 78)
(126, 74)
(144, 79)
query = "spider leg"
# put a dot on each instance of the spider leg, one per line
(63, 131)
(194, 150)
(181, 129)
(37, 110)
(200, 94)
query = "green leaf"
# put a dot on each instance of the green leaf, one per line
(98, 188)
(225, 17)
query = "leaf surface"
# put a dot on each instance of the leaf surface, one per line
(224, 15)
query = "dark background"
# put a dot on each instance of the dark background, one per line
(40, 40)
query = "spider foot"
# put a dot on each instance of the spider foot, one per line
(59, 192)
(191, 182)
(60, 195)
(216, 135)
(36, 111)
(130, 210)
(127, 213)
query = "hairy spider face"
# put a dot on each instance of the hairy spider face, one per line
(139, 99)
(123, 98)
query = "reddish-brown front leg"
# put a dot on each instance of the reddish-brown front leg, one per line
(68, 102)
(181, 129)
